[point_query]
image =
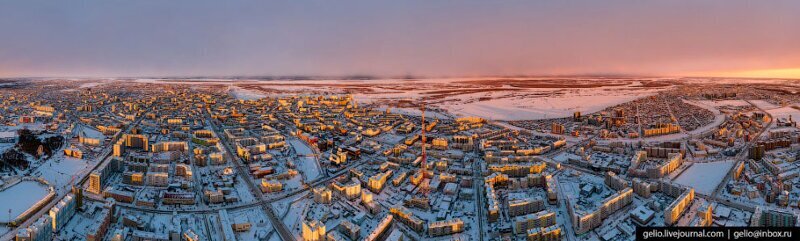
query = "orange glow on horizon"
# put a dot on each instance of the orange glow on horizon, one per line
(785, 73)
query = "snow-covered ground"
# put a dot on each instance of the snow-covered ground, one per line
(90, 84)
(6, 146)
(18, 198)
(415, 112)
(718, 103)
(305, 162)
(59, 170)
(461, 96)
(784, 112)
(89, 131)
(763, 104)
(718, 116)
(705, 177)
(292, 211)
(20, 126)
(545, 107)
(244, 94)
(260, 223)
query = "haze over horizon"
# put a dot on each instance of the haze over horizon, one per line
(424, 38)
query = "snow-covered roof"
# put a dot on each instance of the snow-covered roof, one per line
(8, 134)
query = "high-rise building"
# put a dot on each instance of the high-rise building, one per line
(517, 207)
(551, 233)
(39, 230)
(95, 183)
(585, 220)
(322, 195)
(62, 212)
(313, 230)
(377, 182)
(773, 217)
(446, 227)
(407, 217)
(542, 218)
(350, 190)
(350, 229)
(674, 211)
(99, 176)
(381, 230)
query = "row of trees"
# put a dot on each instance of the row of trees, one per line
(13, 159)
(31, 144)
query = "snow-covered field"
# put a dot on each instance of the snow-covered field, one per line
(305, 161)
(532, 108)
(89, 131)
(292, 211)
(20, 197)
(464, 98)
(415, 112)
(244, 94)
(705, 177)
(763, 104)
(90, 84)
(718, 103)
(487, 97)
(59, 170)
(784, 112)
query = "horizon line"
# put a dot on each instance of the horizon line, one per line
(379, 77)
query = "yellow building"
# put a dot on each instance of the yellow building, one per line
(73, 153)
(439, 143)
(674, 211)
(322, 195)
(136, 141)
(408, 218)
(552, 233)
(377, 182)
(586, 220)
(181, 146)
(350, 190)
(269, 186)
(446, 227)
(517, 207)
(95, 183)
(313, 230)
(521, 224)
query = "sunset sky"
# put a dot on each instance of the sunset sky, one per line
(389, 38)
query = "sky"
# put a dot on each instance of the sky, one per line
(109, 38)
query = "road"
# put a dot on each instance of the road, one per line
(106, 153)
(743, 154)
(266, 202)
(479, 197)
(244, 174)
